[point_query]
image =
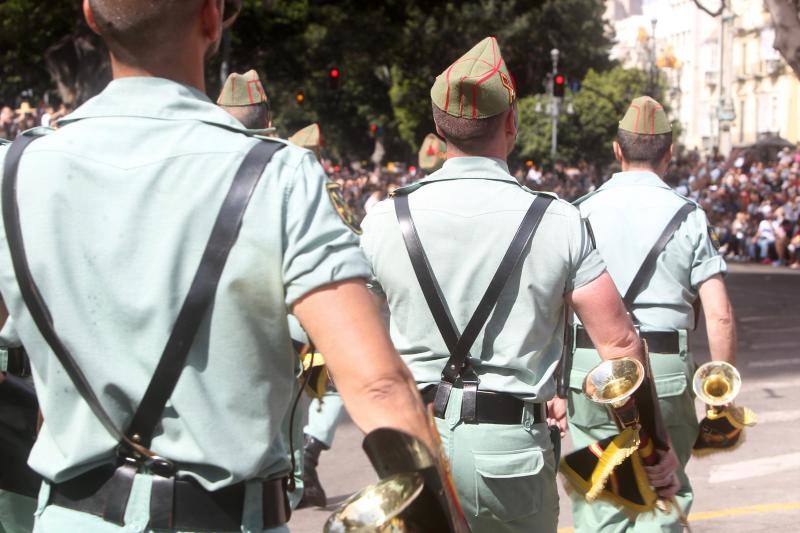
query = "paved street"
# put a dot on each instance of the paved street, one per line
(755, 488)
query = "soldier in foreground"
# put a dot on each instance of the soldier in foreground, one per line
(670, 236)
(489, 373)
(128, 194)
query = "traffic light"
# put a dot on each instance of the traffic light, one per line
(333, 78)
(559, 84)
(299, 97)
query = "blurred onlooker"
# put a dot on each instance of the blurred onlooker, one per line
(8, 128)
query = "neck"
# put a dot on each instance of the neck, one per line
(495, 152)
(186, 72)
(633, 167)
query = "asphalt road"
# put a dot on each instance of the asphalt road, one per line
(754, 488)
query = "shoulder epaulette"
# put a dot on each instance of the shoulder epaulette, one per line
(543, 193)
(580, 200)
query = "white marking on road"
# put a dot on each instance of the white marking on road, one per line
(754, 468)
(774, 362)
(770, 417)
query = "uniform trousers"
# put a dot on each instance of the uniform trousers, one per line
(54, 519)
(589, 422)
(324, 416)
(16, 512)
(504, 473)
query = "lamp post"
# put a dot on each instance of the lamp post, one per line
(554, 106)
(653, 68)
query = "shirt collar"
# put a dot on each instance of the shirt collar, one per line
(635, 177)
(473, 167)
(156, 98)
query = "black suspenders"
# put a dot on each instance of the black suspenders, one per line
(647, 268)
(134, 443)
(458, 365)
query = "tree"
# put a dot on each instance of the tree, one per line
(786, 19)
(388, 54)
(586, 135)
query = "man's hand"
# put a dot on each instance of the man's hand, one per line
(376, 386)
(557, 414)
(662, 475)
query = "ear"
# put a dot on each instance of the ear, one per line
(88, 14)
(211, 20)
(511, 121)
(618, 152)
(668, 155)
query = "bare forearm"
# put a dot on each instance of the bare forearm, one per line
(720, 323)
(603, 314)
(375, 384)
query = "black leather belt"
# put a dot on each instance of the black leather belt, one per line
(657, 341)
(104, 492)
(18, 363)
(494, 407)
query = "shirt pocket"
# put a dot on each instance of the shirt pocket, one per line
(508, 485)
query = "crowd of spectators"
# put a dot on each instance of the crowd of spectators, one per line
(15, 119)
(753, 202)
(753, 205)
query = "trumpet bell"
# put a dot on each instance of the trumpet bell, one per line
(379, 507)
(717, 383)
(612, 382)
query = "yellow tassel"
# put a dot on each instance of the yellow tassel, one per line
(622, 447)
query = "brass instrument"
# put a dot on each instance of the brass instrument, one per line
(414, 495)
(717, 383)
(612, 382)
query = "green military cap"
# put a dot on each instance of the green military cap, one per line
(477, 85)
(242, 89)
(645, 116)
(432, 153)
(309, 137)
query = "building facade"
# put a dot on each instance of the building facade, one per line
(725, 84)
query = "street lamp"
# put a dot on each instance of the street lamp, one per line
(653, 81)
(554, 105)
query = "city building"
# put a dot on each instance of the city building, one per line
(725, 84)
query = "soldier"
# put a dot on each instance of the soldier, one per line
(432, 153)
(243, 96)
(667, 260)
(142, 184)
(310, 138)
(489, 373)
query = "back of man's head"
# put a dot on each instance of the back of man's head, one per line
(469, 136)
(253, 117)
(644, 150)
(644, 136)
(137, 30)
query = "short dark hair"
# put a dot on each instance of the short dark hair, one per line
(253, 117)
(644, 149)
(137, 29)
(467, 135)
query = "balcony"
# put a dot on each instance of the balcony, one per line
(774, 67)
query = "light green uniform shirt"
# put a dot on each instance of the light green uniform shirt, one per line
(467, 214)
(627, 214)
(116, 209)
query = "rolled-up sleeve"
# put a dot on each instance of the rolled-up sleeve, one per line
(320, 248)
(586, 264)
(706, 260)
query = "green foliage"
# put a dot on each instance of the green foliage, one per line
(587, 135)
(388, 53)
(27, 28)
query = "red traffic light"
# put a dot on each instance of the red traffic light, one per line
(560, 79)
(300, 96)
(334, 73)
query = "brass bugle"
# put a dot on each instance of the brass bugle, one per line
(717, 383)
(612, 382)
